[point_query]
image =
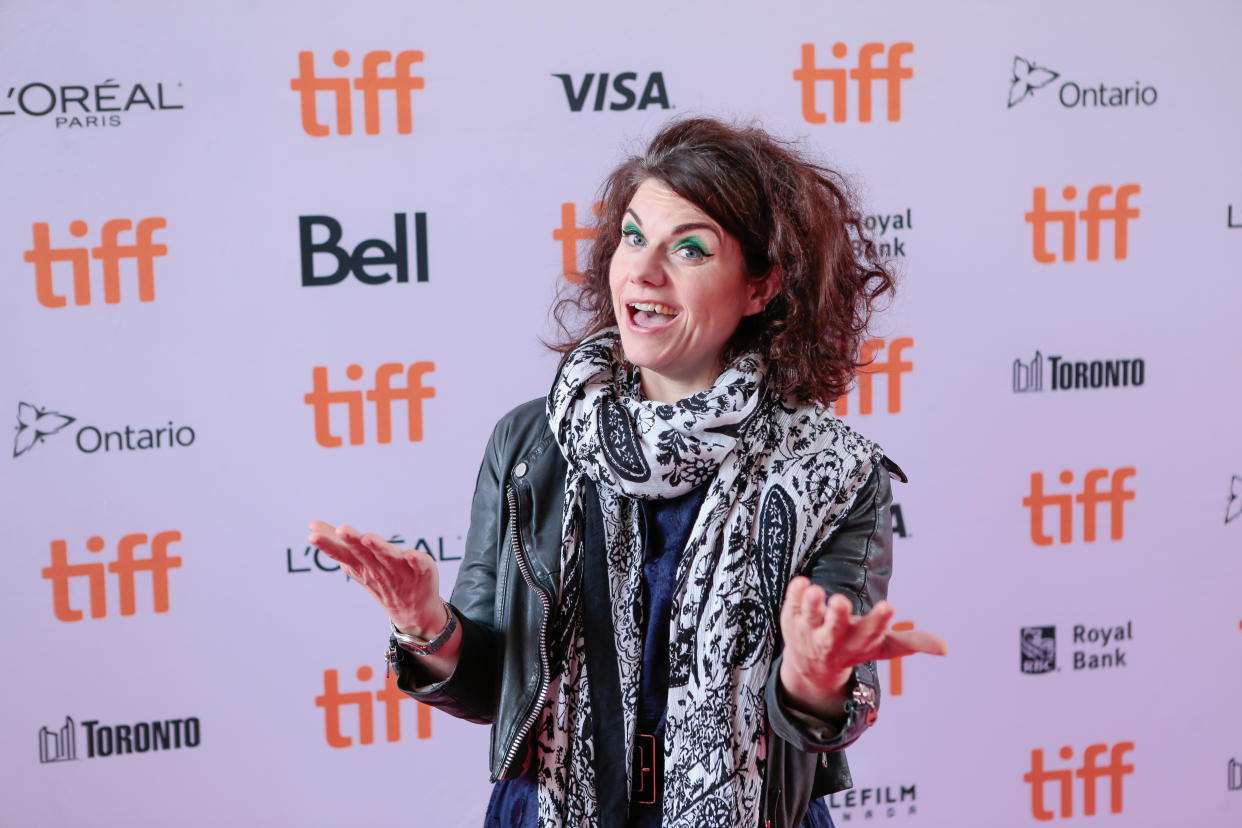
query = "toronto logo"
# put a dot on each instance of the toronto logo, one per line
(1027, 77)
(33, 424)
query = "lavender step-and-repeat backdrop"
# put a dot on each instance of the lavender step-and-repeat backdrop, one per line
(267, 262)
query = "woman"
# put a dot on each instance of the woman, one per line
(643, 611)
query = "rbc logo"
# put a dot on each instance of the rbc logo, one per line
(110, 251)
(893, 367)
(124, 567)
(1090, 498)
(864, 74)
(1093, 216)
(623, 95)
(401, 83)
(369, 253)
(332, 700)
(320, 399)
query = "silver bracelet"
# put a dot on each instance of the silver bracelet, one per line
(419, 646)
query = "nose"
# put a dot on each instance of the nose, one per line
(646, 267)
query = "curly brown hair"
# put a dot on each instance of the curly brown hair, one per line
(788, 214)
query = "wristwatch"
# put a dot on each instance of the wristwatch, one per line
(418, 646)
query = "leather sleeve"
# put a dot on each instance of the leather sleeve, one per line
(856, 562)
(472, 690)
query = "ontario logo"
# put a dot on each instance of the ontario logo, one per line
(35, 424)
(1028, 77)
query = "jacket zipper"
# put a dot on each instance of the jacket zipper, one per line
(545, 668)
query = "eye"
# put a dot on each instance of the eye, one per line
(632, 236)
(692, 249)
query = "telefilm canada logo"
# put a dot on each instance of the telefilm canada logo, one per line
(1064, 374)
(89, 106)
(61, 744)
(35, 424)
(1235, 775)
(879, 802)
(1028, 78)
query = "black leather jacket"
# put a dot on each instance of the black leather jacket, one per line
(508, 580)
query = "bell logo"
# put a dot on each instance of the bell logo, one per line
(1090, 498)
(1093, 216)
(321, 399)
(893, 367)
(333, 699)
(865, 73)
(569, 234)
(126, 564)
(110, 252)
(368, 254)
(1089, 773)
(370, 84)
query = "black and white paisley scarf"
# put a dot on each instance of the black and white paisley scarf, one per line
(779, 479)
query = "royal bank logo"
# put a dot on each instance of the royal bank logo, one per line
(92, 106)
(58, 745)
(35, 425)
(1076, 375)
(1234, 507)
(1027, 78)
(1039, 649)
(877, 226)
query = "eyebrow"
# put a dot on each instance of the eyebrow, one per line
(681, 228)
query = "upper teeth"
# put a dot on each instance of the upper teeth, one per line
(653, 307)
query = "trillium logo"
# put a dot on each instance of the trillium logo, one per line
(33, 424)
(1027, 77)
(1234, 507)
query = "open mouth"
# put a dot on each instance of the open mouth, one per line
(651, 314)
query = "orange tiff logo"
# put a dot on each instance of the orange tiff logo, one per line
(1093, 216)
(864, 75)
(320, 399)
(109, 252)
(569, 234)
(60, 571)
(401, 83)
(896, 675)
(332, 700)
(892, 367)
(1091, 771)
(1090, 497)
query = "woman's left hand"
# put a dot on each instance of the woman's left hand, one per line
(824, 641)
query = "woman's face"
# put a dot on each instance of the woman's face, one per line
(679, 290)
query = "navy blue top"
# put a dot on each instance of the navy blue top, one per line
(666, 525)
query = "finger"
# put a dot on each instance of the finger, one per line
(838, 622)
(814, 605)
(331, 546)
(792, 606)
(908, 642)
(870, 629)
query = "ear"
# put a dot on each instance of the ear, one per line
(764, 290)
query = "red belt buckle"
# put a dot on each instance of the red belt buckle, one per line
(644, 769)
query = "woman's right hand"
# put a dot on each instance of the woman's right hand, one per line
(404, 581)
